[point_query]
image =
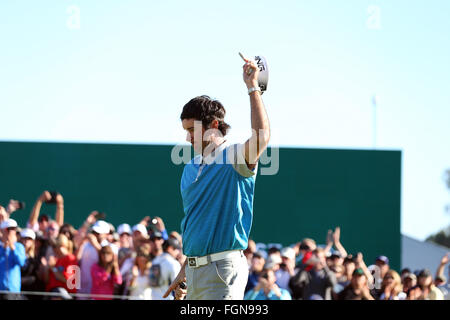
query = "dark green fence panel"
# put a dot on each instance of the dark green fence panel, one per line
(313, 191)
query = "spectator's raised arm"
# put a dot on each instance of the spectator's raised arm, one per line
(441, 267)
(329, 241)
(82, 231)
(359, 263)
(59, 216)
(337, 242)
(34, 215)
(3, 215)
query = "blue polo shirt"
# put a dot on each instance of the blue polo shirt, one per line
(10, 263)
(217, 193)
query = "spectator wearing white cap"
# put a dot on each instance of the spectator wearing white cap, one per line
(12, 257)
(31, 280)
(125, 242)
(88, 253)
(287, 268)
(139, 235)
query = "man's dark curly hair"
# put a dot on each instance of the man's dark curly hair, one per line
(205, 109)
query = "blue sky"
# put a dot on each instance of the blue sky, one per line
(124, 74)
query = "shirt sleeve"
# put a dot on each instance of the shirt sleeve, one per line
(251, 295)
(117, 279)
(19, 255)
(236, 156)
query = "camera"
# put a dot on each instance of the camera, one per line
(53, 195)
(100, 216)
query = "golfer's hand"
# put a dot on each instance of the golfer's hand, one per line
(180, 293)
(181, 277)
(251, 72)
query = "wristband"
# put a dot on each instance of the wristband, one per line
(254, 89)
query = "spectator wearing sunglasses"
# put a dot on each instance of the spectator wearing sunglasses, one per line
(391, 287)
(31, 279)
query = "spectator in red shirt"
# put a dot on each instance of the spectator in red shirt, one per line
(60, 268)
(105, 274)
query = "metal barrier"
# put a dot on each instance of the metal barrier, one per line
(76, 295)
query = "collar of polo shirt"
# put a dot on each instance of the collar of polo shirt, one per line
(215, 153)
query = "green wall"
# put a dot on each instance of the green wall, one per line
(314, 190)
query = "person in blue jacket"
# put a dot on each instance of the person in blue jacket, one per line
(12, 258)
(267, 289)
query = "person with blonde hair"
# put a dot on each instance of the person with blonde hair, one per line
(391, 287)
(61, 267)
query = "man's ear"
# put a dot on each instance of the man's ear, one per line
(214, 124)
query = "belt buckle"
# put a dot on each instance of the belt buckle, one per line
(192, 262)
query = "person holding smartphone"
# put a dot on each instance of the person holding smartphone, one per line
(49, 197)
(267, 289)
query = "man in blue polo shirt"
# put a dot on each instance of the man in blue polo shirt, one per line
(217, 188)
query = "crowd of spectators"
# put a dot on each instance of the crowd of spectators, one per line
(50, 259)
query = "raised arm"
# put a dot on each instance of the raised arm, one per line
(440, 269)
(255, 146)
(3, 214)
(82, 231)
(329, 242)
(361, 264)
(337, 242)
(34, 215)
(59, 216)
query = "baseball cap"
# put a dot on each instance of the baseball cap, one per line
(124, 228)
(260, 254)
(172, 243)
(10, 223)
(272, 261)
(156, 234)
(28, 233)
(424, 273)
(410, 275)
(101, 227)
(358, 272)
(382, 259)
(141, 228)
(288, 253)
